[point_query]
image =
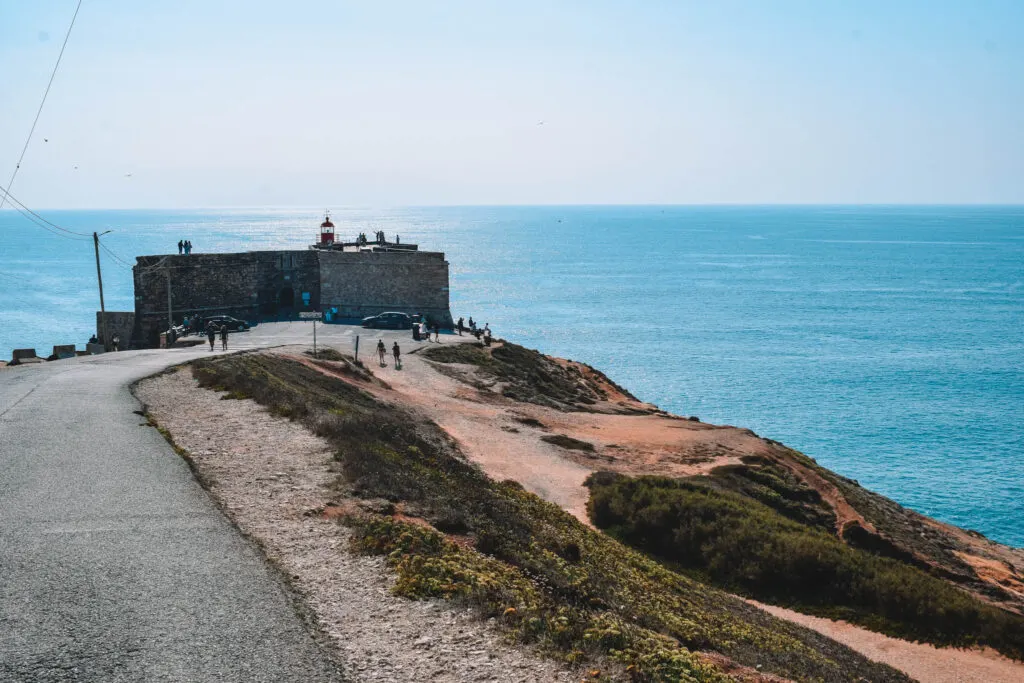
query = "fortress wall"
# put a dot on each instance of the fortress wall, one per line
(250, 286)
(269, 285)
(366, 283)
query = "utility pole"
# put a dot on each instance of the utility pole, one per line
(99, 277)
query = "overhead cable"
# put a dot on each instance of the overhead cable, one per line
(35, 217)
(10, 183)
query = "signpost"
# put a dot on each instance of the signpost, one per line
(314, 316)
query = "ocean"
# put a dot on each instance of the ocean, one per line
(885, 342)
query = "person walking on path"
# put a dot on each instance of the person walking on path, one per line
(397, 353)
(181, 247)
(423, 331)
(460, 326)
(437, 332)
(211, 334)
(224, 337)
(381, 351)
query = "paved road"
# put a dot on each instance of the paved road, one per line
(114, 563)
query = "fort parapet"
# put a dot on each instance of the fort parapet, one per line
(278, 285)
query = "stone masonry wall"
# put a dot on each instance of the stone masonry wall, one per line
(367, 283)
(277, 285)
(256, 285)
(119, 324)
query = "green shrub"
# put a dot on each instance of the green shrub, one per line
(747, 546)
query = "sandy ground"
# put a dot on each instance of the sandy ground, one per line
(491, 432)
(926, 663)
(272, 478)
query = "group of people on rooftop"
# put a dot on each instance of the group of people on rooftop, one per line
(185, 247)
(378, 238)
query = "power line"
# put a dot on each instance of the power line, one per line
(117, 259)
(36, 218)
(53, 74)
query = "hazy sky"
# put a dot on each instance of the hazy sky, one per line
(330, 103)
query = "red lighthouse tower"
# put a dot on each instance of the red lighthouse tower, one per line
(327, 231)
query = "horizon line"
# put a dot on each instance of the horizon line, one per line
(293, 207)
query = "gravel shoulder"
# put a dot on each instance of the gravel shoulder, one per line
(272, 478)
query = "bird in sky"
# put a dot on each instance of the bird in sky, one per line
(540, 123)
(127, 175)
(46, 139)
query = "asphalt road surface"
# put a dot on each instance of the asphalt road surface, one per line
(114, 563)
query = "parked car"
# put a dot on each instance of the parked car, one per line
(222, 320)
(389, 321)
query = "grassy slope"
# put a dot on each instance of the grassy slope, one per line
(547, 577)
(758, 531)
(532, 377)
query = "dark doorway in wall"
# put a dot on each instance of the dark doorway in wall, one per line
(268, 301)
(287, 298)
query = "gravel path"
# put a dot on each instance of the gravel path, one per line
(269, 474)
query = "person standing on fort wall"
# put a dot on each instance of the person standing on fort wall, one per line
(460, 326)
(181, 247)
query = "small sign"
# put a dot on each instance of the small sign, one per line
(311, 315)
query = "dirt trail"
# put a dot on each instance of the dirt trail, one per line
(926, 663)
(504, 437)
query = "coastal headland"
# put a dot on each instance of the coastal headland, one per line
(537, 499)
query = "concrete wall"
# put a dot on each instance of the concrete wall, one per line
(269, 285)
(366, 283)
(120, 324)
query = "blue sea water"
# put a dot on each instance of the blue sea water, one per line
(886, 342)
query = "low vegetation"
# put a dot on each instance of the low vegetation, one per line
(900, 534)
(548, 578)
(776, 486)
(765, 548)
(530, 376)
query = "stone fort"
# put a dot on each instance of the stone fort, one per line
(343, 281)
